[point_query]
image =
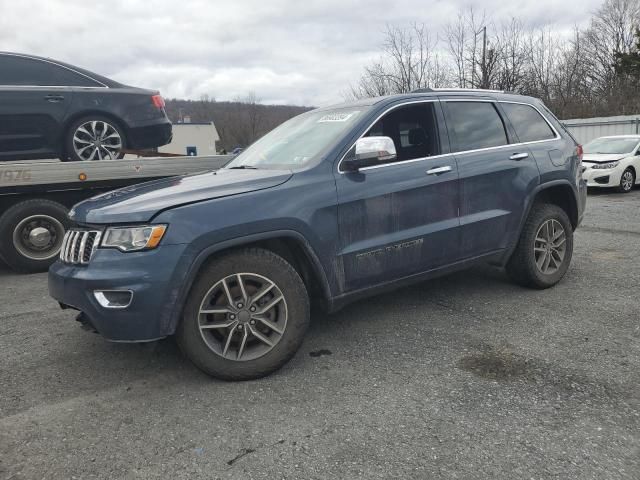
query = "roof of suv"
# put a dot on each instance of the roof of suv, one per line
(443, 92)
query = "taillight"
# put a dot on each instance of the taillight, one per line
(579, 153)
(158, 101)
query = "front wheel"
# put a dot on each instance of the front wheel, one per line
(627, 181)
(544, 251)
(245, 317)
(94, 138)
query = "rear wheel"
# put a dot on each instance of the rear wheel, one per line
(94, 138)
(245, 316)
(627, 181)
(544, 251)
(31, 234)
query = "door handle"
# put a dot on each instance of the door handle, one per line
(519, 156)
(54, 98)
(439, 170)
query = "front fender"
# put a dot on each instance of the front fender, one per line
(192, 264)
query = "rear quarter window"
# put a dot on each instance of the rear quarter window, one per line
(529, 125)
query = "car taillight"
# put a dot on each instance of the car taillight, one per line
(158, 101)
(579, 153)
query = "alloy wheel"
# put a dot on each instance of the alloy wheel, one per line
(550, 246)
(97, 140)
(243, 316)
(626, 182)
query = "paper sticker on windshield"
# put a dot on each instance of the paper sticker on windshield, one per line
(337, 117)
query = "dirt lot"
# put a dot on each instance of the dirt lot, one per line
(463, 377)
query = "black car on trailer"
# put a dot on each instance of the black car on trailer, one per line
(50, 109)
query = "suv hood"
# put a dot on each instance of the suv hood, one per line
(140, 203)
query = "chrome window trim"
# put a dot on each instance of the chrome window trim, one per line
(462, 152)
(57, 65)
(51, 86)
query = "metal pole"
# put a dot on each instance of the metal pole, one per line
(484, 57)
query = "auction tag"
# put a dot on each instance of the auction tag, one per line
(337, 117)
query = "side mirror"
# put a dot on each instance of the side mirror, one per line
(369, 151)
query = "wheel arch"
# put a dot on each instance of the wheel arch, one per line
(560, 193)
(87, 113)
(632, 167)
(289, 244)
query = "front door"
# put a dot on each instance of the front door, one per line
(400, 218)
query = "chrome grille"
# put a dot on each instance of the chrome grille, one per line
(78, 246)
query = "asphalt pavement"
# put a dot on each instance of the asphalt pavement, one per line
(468, 376)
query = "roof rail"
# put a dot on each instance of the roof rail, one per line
(454, 89)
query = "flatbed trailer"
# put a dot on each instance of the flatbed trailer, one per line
(35, 196)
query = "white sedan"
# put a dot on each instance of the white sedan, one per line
(612, 162)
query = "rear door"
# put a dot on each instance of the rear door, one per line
(400, 218)
(496, 174)
(33, 106)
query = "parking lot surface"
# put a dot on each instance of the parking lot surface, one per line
(467, 376)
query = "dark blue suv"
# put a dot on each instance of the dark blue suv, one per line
(333, 205)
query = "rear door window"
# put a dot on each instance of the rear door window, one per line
(475, 125)
(529, 125)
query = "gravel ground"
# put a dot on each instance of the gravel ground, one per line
(468, 376)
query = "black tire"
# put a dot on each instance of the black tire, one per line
(70, 153)
(625, 187)
(17, 250)
(522, 266)
(278, 271)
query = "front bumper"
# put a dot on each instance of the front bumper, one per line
(151, 276)
(602, 178)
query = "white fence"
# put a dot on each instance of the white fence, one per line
(586, 129)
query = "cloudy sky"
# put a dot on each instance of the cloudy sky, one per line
(303, 52)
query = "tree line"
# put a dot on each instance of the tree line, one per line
(594, 71)
(239, 122)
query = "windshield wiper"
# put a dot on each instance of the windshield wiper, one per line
(243, 167)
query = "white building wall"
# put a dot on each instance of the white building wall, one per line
(203, 136)
(586, 129)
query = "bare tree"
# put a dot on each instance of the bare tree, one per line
(513, 55)
(408, 62)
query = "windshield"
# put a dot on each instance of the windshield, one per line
(611, 145)
(297, 142)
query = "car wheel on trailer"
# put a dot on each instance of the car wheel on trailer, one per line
(94, 138)
(627, 181)
(245, 316)
(545, 247)
(31, 234)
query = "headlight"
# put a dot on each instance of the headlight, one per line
(605, 166)
(131, 239)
